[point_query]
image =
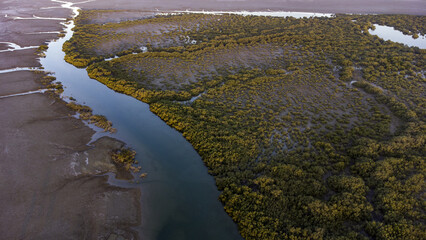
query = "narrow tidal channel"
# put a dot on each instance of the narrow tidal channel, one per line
(179, 199)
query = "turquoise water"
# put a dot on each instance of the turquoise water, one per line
(179, 199)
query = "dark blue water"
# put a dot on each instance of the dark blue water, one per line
(179, 200)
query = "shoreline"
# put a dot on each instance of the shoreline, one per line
(48, 154)
(165, 119)
(64, 125)
(321, 6)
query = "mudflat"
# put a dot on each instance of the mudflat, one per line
(53, 185)
(321, 6)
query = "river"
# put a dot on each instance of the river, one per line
(179, 199)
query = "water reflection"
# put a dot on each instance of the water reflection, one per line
(389, 33)
(256, 13)
(179, 198)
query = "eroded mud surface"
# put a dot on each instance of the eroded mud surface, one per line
(52, 184)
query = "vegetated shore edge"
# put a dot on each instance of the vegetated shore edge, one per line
(323, 6)
(14, 124)
(45, 152)
(102, 74)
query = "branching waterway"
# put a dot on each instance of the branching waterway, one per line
(179, 198)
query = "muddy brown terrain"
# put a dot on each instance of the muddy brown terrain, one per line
(52, 184)
(324, 6)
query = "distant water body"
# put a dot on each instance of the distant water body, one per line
(179, 198)
(258, 13)
(389, 33)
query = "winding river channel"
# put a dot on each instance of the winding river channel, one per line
(179, 199)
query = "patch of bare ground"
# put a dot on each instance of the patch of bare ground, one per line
(21, 58)
(18, 82)
(51, 184)
(49, 173)
(113, 16)
(158, 33)
(173, 73)
(23, 31)
(325, 6)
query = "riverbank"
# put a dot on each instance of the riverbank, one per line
(57, 196)
(281, 131)
(52, 183)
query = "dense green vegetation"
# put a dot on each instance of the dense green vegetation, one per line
(85, 113)
(124, 156)
(41, 49)
(312, 128)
